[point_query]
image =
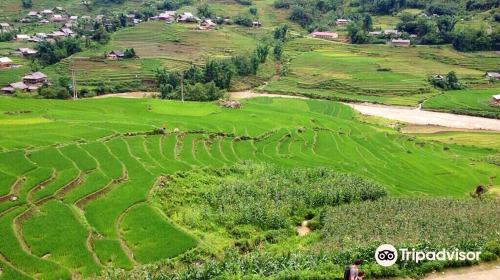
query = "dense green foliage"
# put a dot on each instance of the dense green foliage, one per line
(268, 196)
(437, 222)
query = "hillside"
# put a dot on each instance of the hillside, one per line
(172, 179)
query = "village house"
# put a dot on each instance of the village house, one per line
(34, 39)
(5, 27)
(167, 16)
(375, 33)
(9, 89)
(41, 35)
(492, 75)
(35, 78)
(34, 14)
(115, 55)
(25, 52)
(99, 18)
(57, 18)
(47, 12)
(324, 35)
(400, 43)
(184, 17)
(341, 22)
(60, 9)
(496, 100)
(44, 21)
(21, 37)
(256, 24)
(390, 32)
(5, 62)
(56, 34)
(67, 31)
(438, 77)
(73, 17)
(207, 23)
(413, 36)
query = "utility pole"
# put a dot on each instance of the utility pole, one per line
(182, 86)
(73, 75)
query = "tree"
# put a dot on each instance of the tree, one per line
(278, 50)
(129, 53)
(262, 51)
(280, 32)
(357, 35)
(452, 81)
(35, 65)
(27, 3)
(123, 20)
(367, 23)
(253, 10)
(101, 35)
(204, 11)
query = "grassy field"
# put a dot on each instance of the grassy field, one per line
(79, 171)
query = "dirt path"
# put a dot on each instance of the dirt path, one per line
(417, 116)
(481, 272)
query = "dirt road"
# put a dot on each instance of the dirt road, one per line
(417, 116)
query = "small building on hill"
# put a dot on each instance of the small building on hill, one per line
(9, 89)
(207, 23)
(324, 35)
(60, 9)
(34, 14)
(496, 100)
(35, 78)
(167, 16)
(391, 32)
(115, 55)
(438, 77)
(375, 33)
(492, 75)
(400, 43)
(25, 52)
(47, 12)
(5, 62)
(57, 18)
(21, 37)
(341, 22)
(256, 24)
(5, 27)
(184, 17)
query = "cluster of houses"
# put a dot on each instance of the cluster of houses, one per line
(29, 83)
(203, 24)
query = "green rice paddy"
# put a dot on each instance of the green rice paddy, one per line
(82, 179)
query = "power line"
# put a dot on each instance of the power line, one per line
(73, 75)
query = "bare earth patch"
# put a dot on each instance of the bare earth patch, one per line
(303, 229)
(482, 272)
(417, 116)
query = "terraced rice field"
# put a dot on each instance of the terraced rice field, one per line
(476, 100)
(81, 178)
(372, 72)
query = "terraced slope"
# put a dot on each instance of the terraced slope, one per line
(75, 192)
